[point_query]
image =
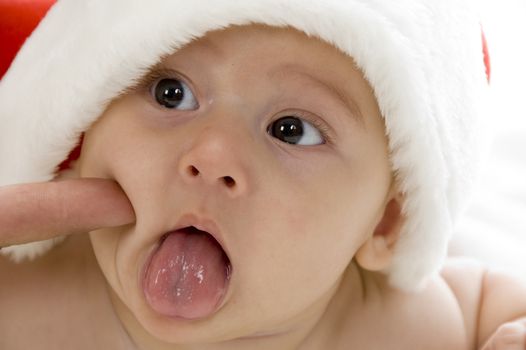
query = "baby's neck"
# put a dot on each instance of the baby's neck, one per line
(317, 328)
(355, 294)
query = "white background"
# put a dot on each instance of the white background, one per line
(504, 22)
(494, 228)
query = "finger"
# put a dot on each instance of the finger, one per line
(33, 212)
(509, 336)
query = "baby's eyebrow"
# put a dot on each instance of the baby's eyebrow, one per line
(160, 70)
(347, 101)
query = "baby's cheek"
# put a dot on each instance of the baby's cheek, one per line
(93, 160)
(105, 246)
(319, 251)
(109, 143)
(316, 224)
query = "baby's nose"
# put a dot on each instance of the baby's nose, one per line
(214, 159)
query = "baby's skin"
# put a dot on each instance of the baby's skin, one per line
(274, 142)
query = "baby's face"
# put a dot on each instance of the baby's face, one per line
(275, 137)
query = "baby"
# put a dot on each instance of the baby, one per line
(249, 189)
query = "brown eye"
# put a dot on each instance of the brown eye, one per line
(295, 131)
(174, 94)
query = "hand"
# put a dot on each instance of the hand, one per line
(34, 212)
(509, 336)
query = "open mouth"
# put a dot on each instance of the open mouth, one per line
(187, 275)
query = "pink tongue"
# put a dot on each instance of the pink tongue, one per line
(187, 275)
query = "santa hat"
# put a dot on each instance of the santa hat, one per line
(423, 59)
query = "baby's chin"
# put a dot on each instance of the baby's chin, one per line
(182, 274)
(174, 286)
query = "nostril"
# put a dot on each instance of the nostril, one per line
(229, 182)
(193, 170)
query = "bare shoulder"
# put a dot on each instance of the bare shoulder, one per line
(487, 297)
(465, 278)
(503, 300)
(430, 318)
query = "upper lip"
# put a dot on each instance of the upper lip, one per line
(203, 224)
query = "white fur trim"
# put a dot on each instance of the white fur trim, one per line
(30, 251)
(422, 58)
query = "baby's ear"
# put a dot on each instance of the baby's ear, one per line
(377, 251)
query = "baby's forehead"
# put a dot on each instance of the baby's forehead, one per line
(255, 46)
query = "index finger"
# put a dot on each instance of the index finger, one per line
(38, 211)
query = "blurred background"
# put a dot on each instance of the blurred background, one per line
(494, 228)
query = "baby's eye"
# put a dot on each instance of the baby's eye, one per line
(295, 131)
(174, 94)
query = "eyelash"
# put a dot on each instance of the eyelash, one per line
(154, 77)
(324, 130)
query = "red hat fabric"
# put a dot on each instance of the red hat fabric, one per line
(18, 18)
(487, 60)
